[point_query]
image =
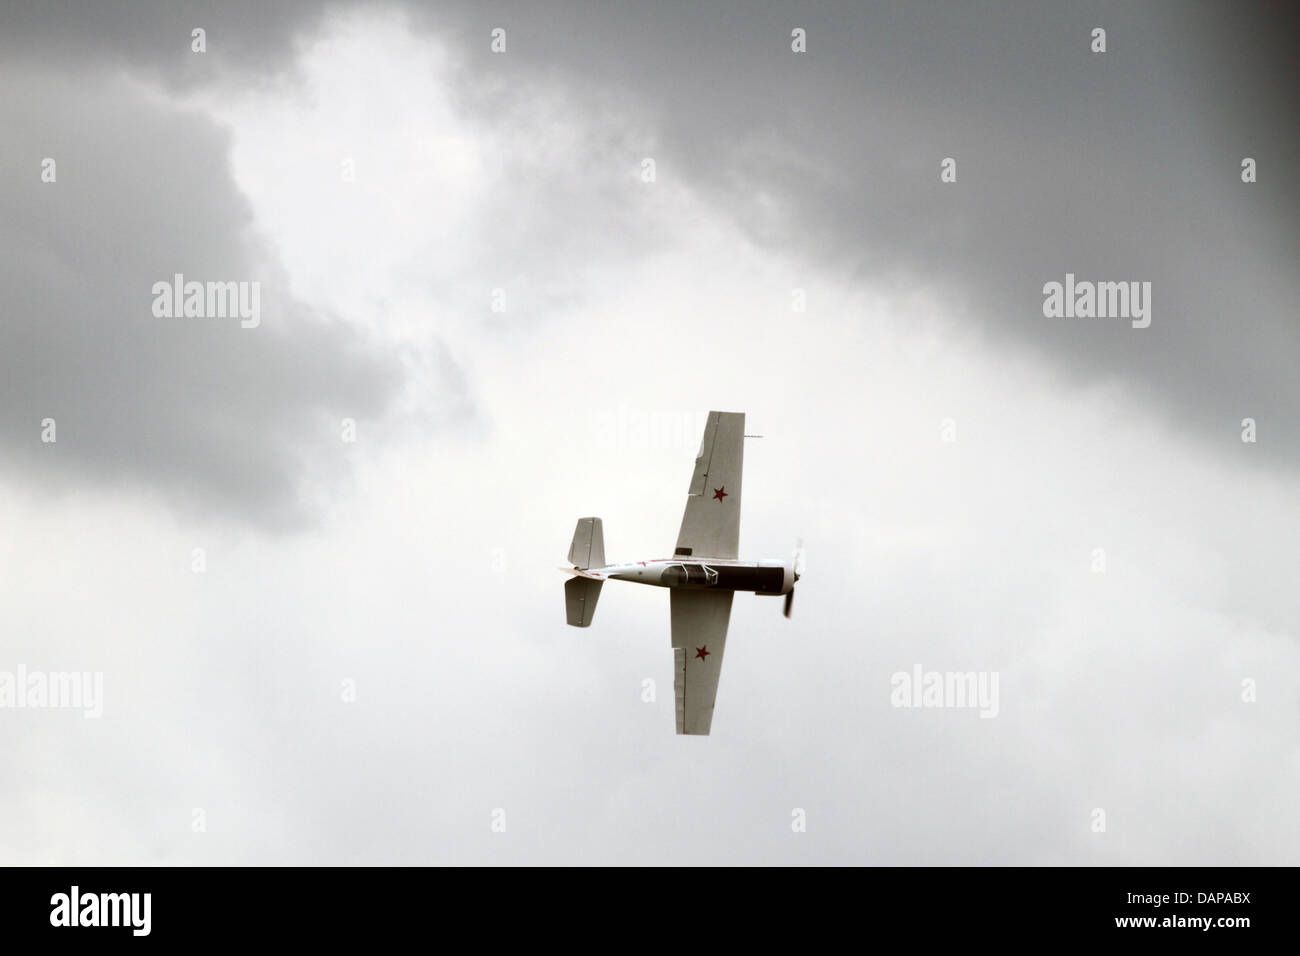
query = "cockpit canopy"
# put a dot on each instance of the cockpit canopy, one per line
(689, 575)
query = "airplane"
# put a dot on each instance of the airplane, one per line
(702, 576)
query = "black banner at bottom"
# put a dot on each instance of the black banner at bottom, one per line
(381, 905)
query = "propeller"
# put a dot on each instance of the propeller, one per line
(798, 573)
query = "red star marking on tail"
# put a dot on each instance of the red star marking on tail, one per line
(702, 652)
(719, 493)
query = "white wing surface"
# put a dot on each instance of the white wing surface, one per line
(700, 621)
(711, 524)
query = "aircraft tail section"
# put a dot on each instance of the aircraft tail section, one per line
(580, 596)
(588, 548)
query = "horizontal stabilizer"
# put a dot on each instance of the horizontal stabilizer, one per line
(580, 596)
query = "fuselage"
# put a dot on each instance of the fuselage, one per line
(769, 576)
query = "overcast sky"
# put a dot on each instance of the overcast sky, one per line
(388, 179)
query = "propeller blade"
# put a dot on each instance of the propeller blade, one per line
(789, 600)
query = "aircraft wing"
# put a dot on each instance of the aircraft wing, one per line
(711, 524)
(700, 621)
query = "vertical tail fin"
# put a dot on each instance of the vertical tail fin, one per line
(588, 548)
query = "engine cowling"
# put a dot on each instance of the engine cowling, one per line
(788, 575)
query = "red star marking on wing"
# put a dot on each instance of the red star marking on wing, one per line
(719, 493)
(642, 563)
(702, 652)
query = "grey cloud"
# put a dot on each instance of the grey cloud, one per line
(154, 36)
(473, 693)
(217, 416)
(1115, 166)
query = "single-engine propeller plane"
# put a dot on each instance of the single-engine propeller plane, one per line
(702, 575)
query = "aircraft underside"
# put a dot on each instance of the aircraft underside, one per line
(702, 576)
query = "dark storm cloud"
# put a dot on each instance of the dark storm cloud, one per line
(154, 35)
(1114, 166)
(217, 416)
(1123, 165)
